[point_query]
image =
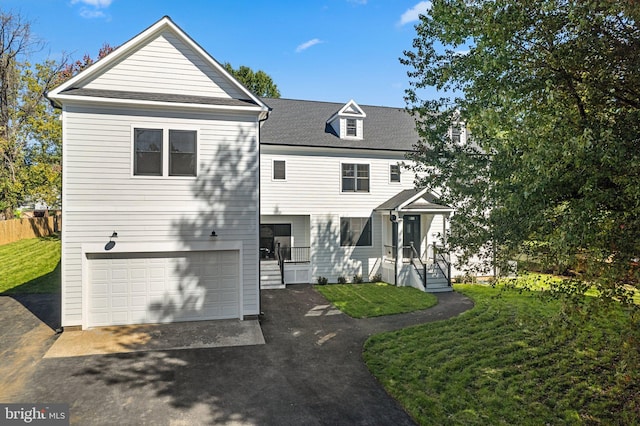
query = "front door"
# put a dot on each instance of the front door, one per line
(411, 234)
(270, 236)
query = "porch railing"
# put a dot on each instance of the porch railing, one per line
(443, 263)
(295, 254)
(420, 268)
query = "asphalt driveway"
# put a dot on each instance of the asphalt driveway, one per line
(309, 372)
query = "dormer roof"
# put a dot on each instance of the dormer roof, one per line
(351, 110)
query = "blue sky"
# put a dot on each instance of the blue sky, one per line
(328, 50)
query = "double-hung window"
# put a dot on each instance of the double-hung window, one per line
(355, 177)
(148, 152)
(394, 173)
(165, 152)
(352, 127)
(355, 231)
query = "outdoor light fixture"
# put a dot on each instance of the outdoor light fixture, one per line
(213, 234)
(111, 244)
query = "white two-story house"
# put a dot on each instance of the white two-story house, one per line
(181, 189)
(336, 201)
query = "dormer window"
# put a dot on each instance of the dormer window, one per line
(352, 127)
(348, 122)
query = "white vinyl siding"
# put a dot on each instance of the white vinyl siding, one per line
(313, 189)
(165, 65)
(101, 195)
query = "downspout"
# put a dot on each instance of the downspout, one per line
(394, 239)
(260, 121)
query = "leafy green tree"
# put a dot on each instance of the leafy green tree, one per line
(29, 130)
(550, 92)
(258, 82)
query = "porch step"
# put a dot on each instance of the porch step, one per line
(270, 275)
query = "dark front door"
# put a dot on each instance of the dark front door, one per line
(270, 236)
(411, 234)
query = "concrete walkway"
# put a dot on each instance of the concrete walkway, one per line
(309, 372)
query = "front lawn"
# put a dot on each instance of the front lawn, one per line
(503, 363)
(376, 299)
(30, 266)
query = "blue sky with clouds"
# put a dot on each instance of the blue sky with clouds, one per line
(329, 50)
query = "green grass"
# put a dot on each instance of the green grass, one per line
(510, 360)
(30, 266)
(376, 299)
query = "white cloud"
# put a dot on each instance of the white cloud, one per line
(308, 44)
(358, 1)
(413, 14)
(92, 8)
(98, 4)
(89, 14)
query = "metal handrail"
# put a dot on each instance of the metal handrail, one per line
(446, 262)
(280, 259)
(424, 267)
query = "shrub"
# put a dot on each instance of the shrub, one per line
(376, 278)
(342, 280)
(357, 279)
(322, 281)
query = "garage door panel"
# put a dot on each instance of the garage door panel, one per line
(133, 288)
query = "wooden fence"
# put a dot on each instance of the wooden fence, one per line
(21, 229)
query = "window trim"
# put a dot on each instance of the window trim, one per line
(273, 170)
(355, 178)
(165, 150)
(368, 225)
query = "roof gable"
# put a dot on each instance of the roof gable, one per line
(162, 60)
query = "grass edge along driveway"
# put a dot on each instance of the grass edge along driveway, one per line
(375, 299)
(502, 363)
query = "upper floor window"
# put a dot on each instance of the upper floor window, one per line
(455, 134)
(355, 231)
(149, 146)
(182, 153)
(147, 160)
(279, 170)
(394, 173)
(352, 127)
(355, 178)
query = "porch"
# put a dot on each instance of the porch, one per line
(282, 261)
(414, 230)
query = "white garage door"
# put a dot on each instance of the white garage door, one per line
(138, 288)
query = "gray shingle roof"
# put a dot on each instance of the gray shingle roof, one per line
(158, 97)
(304, 123)
(425, 202)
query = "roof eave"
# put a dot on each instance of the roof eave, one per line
(61, 99)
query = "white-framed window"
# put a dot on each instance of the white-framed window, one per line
(355, 231)
(355, 177)
(352, 127)
(165, 152)
(279, 170)
(394, 173)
